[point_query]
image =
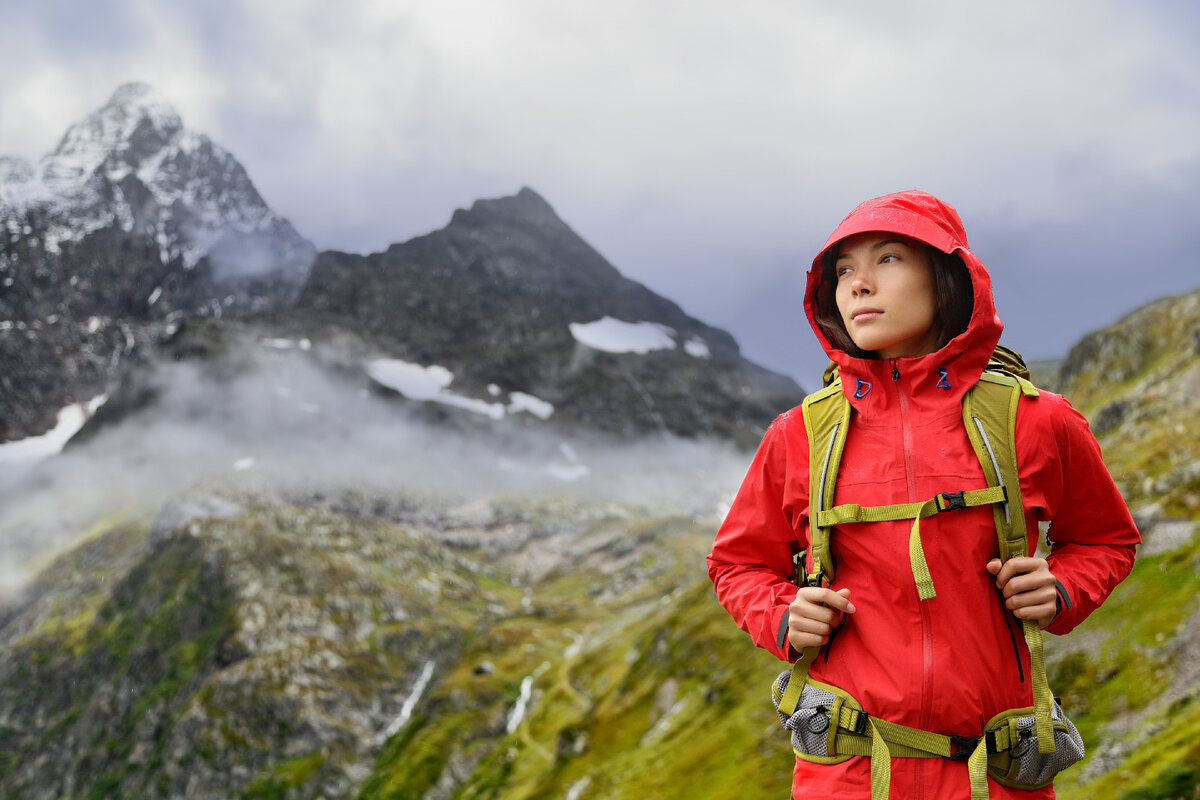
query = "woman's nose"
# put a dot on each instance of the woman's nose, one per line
(860, 283)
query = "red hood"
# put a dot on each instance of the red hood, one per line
(922, 217)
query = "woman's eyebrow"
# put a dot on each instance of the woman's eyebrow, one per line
(880, 245)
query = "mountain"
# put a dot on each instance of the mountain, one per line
(138, 242)
(1138, 381)
(251, 643)
(504, 320)
(1131, 675)
(132, 223)
(510, 300)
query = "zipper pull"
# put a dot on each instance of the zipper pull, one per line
(895, 372)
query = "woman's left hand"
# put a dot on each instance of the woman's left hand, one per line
(1029, 588)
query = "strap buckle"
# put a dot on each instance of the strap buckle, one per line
(817, 578)
(964, 746)
(860, 723)
(951, 501)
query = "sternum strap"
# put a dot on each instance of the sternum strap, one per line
(850, 513)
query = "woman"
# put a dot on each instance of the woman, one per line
(905, 310)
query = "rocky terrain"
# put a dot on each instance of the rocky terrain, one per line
(1132, 673)
(138, 241)
(369, 646)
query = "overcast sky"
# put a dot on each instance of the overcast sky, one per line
(705, 148)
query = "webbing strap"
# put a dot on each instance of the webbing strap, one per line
(787, 703)
(1043, 700)
(990, 417)
(883, 740)
(977, 770)
(881, 764)
(849, 513)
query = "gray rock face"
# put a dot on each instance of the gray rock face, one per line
(132, 223)
(497, 297)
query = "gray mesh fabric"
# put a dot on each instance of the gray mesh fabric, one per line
(810, 724)
(1033, 767)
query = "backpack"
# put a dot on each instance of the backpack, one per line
(827, 724)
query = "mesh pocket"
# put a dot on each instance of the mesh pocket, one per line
(810, 722)
(1034, 768)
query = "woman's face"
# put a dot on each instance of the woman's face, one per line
(885, 294)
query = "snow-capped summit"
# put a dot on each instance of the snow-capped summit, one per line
(130, 224)
(133, 126)
(133, 164)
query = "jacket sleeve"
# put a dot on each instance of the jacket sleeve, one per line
(751, 563)
(1093, 536)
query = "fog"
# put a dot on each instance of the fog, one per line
(280, 423)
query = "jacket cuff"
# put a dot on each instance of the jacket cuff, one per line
(1062, 599)
(1062, 602)
(781, 637)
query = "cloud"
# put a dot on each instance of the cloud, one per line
(294, 421)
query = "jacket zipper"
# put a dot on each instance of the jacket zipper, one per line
(923, 607)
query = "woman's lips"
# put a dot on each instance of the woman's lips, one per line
(864, 314)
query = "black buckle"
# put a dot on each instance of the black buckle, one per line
(964, 746)
(952, 500)
(860, 724)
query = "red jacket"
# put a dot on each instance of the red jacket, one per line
(951, 663)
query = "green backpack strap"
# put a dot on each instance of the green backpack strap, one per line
(827, 420)
(990, 417)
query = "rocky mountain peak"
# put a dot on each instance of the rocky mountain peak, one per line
(132, 165)
(525, 206)
(134, 125)
(130, 224)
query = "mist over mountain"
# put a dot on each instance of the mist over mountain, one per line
(164, 325)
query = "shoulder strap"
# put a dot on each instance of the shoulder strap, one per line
(827, 421)
(990, 417)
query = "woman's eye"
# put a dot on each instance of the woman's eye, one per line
(841, 271)
(888, 257)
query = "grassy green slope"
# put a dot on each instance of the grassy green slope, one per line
(649, 693)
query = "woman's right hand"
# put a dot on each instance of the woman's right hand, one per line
(814, 614)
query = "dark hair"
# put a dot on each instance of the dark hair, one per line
(954, 301)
